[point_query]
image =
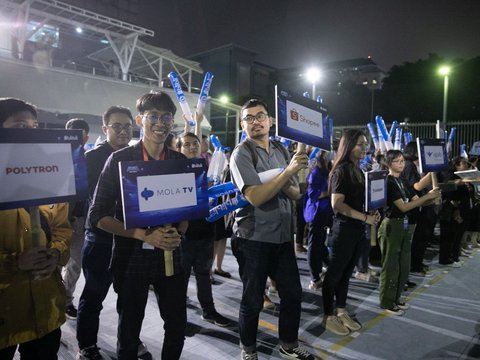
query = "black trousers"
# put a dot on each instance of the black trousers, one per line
(348, 237)
(132, 299)
(45, 348)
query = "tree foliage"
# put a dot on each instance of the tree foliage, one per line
(415, 91)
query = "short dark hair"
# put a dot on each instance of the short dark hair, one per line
(183, 135)
(254, 102)
(10, 106)
(392, 155)
(116, 109)
(156, 100)
(77, 124)
(171, 140)
(410, 152)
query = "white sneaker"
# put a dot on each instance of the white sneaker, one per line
(315, 285)
(395, 311)
(335, 325)
(348, 322)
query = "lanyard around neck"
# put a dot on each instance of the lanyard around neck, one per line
(401, 188)
(145, 153)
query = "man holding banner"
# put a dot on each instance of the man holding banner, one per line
(32, 295)
(263, 233)
(97, 247)
(138, 258)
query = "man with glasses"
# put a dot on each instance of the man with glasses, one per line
(97, 247)
(138, 254)
(263, 233)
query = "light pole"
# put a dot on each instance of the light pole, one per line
(445, 71)
(313, 75)
(224, 99)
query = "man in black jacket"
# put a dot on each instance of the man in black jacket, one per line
(138, 257)
(97, 247)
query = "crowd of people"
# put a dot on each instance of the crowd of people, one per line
(90, 236)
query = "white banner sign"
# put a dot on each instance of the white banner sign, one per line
(159, 192)
(304, 119)
(36, 171)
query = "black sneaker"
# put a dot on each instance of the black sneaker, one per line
(295, 353)
(410, 284)
(71, 312)
(91, 353)
(215, 318)
(142, 350)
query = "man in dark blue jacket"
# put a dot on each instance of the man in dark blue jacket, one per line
(97, 247)
(138, 256)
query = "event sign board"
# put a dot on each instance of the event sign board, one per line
(375, 189)
(302, 119)
(163, 191)
(432, 155)
(41, 166)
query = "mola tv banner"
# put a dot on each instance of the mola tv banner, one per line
(432, 155)
(302, 119)
(41, 166)
(163, 191)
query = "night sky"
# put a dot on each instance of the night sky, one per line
(302, 33)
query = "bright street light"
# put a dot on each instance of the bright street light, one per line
(313, 75)
(444, 71)
(224, 99)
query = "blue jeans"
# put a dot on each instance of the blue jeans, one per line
(198, 254)
(347, 240)
(256, 261)
(132, 299)
(95, 263)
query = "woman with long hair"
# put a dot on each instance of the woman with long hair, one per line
(395, 233)
(347, 189)
(427, 217)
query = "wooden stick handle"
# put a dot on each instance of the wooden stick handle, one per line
(302, 174)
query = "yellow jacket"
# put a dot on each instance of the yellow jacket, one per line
(30, 309)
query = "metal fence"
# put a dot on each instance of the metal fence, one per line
(468, 132)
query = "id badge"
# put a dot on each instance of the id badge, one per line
(405, 223)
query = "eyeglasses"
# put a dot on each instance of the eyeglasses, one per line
(153, 117)
(117, 127)
(260, 117)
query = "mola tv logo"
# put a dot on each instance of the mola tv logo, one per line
(146, 193)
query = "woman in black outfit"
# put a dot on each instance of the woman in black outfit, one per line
(455, 215)
(427, 218)
(347, 188)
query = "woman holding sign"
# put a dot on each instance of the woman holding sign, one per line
(395, 233)
(347, 189)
